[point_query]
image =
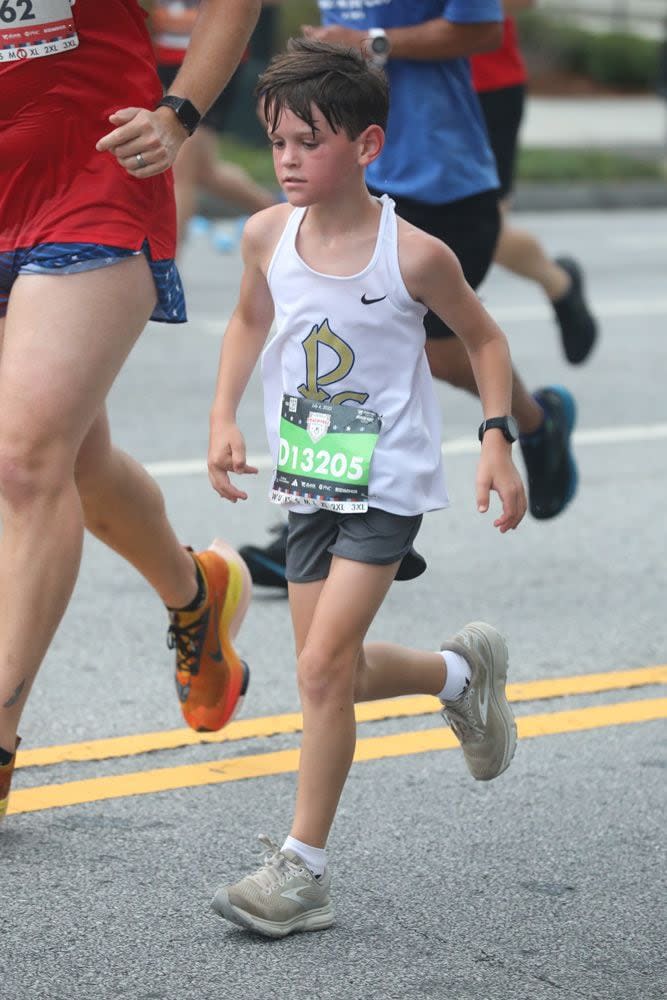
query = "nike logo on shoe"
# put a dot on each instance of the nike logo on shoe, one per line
(369, 302)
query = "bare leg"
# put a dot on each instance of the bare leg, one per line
(56, 368)
(186, 171)
(520, 252)
(198, 166)
(330, 621)
(125, 509)
(228, 180)
(449, 362)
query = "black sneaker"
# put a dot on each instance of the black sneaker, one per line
(267, 565)
(578, 329)
(552, 471)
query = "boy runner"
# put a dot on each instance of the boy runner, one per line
(438, 167)
(354, 428)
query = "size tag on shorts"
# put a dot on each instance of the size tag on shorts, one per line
(325, 455)
(30, 29)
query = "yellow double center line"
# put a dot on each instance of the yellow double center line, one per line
(283, 761)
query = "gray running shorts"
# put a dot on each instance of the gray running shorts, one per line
(375, 537)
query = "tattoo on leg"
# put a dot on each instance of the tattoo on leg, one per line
(15, 697)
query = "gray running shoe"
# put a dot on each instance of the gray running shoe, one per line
(282, 897)
(481, 717)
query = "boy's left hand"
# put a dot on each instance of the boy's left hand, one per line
(496, 471)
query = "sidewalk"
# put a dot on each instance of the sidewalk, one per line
(636, 126)
(632, 124)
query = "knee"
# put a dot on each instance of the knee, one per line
(324, 677)
(30, 470)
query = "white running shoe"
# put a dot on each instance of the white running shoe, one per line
(481, 717)
(283, 897)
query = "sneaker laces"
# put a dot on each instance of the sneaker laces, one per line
(187, 641)
(461, 717)
(276, 867)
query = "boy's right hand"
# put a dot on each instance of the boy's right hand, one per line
(226, 453)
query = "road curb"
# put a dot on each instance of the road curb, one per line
(589, 195)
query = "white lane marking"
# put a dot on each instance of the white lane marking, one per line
(611, 309)
(642, 433)
(648, 242)
(603, 310)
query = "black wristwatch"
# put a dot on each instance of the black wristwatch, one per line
(507, 425)
(184, 110)
(379, 46)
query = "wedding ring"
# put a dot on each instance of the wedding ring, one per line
(140, 160)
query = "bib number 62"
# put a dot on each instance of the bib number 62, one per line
(9, 11)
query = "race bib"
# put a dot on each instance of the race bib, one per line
(30, 29)
(325, 455)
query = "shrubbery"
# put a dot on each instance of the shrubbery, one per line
(614, 59)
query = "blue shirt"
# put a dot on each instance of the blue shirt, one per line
(436, 148)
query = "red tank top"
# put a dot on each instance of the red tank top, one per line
(504, 67)
(54, 108)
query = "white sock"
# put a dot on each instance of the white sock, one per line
(458, 675)
(314, 858)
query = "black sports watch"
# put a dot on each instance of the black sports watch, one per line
(184, 110)
(379, 46)
(507, 425)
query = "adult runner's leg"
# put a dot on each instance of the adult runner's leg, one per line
(65, 339)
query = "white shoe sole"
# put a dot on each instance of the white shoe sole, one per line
(240, 580)
(311, 920)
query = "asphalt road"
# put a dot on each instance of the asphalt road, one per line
(548, 883)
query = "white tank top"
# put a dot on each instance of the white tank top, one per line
(358, 339)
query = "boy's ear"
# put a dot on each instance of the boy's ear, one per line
(371, 142)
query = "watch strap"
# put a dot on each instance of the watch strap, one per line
(184, 110)
(506, 424)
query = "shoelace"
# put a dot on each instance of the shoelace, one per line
(276, 868)
(461, 718)
(186, 640)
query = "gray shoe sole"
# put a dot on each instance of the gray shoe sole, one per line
(311, 920)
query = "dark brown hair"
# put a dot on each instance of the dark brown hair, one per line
(350, 93)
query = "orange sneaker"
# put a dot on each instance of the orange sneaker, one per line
(6, 772)
(211, 680)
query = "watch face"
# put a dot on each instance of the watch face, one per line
(513, 427)
(380, 45)
(184, 110)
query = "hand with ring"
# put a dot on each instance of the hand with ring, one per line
(144, 142)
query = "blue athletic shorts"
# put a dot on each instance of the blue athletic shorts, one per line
(72, 258)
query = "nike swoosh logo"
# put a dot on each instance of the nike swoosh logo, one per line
(369, 302)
